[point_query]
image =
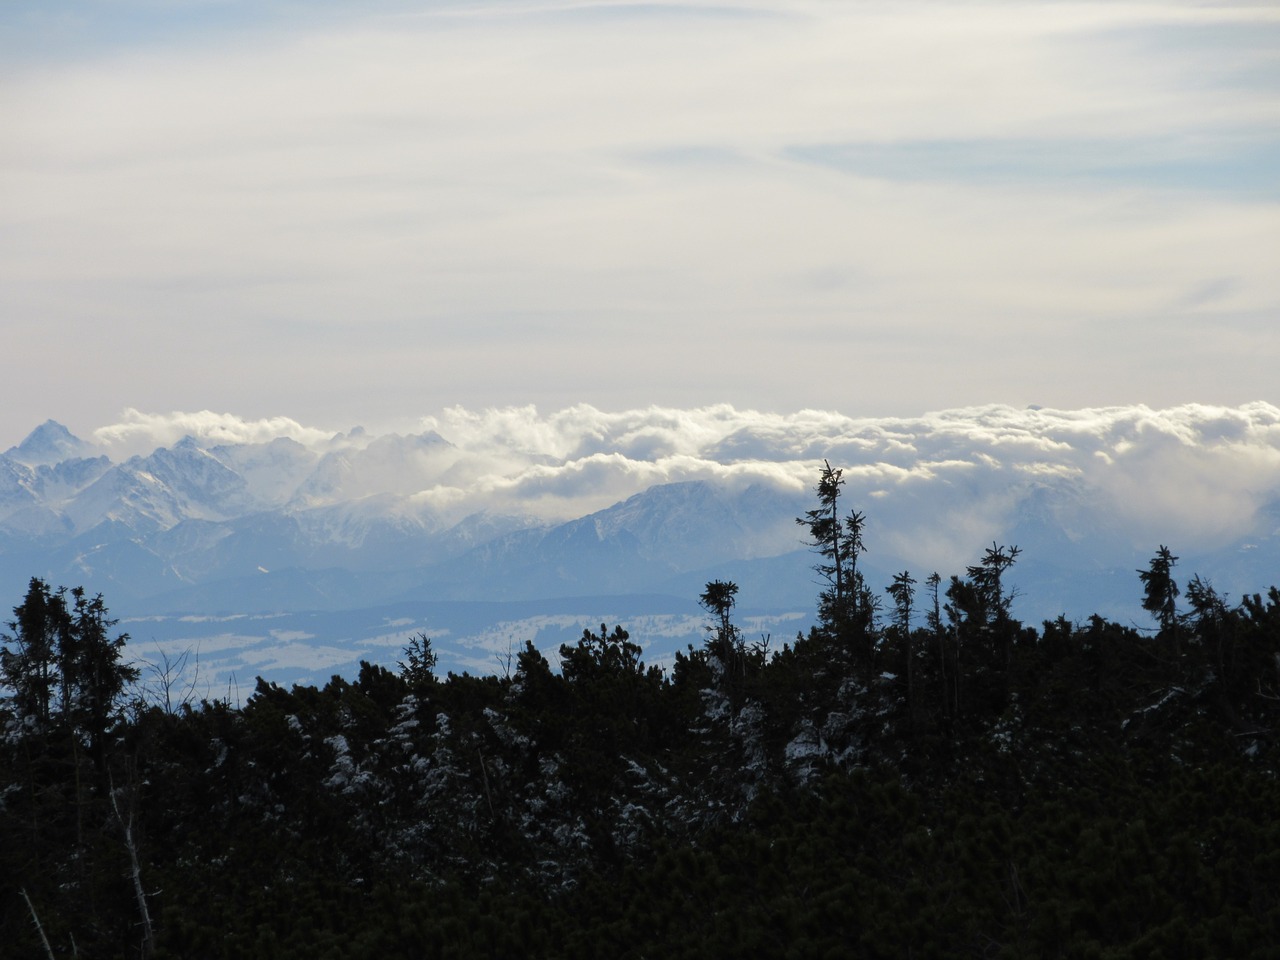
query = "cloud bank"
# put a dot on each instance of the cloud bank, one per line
(141, 433)
(935, 486)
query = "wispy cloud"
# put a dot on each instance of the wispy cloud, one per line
(1243, 169)
(320, 209)
(141, 433)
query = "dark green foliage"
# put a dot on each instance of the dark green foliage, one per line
(846, 605)
(1160, 592)
(63, 815)
(63, 669)
(718, 600)
(419, 664)
(970, 788)
(30, 655)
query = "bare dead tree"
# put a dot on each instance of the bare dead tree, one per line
(169, 687)
(135, 870)
(35, 918)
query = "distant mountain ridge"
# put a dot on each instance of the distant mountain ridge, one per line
(271, 526)
(188, 516)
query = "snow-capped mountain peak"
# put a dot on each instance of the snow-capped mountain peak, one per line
(49, 444)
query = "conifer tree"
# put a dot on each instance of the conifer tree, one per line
(725, 643)
(94, 674)
(30, 656)
(903, 592)
(846, 607)
(933, 581)
(987, 577)
(1160, 592)
(419, 664)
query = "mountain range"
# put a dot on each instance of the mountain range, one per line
(256, 552)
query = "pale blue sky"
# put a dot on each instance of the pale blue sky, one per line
(301, 209)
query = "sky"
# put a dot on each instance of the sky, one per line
(371, 213)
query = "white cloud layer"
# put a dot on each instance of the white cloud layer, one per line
(935, 486)
(141, 433)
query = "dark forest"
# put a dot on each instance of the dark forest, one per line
(920, 775)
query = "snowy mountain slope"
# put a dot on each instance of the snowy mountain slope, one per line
(55, 483)
(272, 471)
(351, 521)
(641, 544)
(17, 483)
(153, 493)
(48, 444)
(687, 525)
